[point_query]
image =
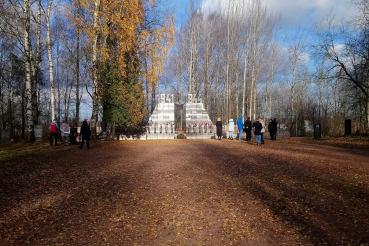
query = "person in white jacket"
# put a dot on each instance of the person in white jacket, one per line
(64, 129)
(262, 130)
(231, 128)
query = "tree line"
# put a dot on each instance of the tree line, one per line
(55, 55)
(117, 56)
(244, 62)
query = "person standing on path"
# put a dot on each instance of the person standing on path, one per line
(64, 128)
(257, 130)
(270, 129)
(231, 128)
(85, 133)
(262, 130)
(219, 126)
(248, 129)
(240, 127)
(54, 127)
(274, 129)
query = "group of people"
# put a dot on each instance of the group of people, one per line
(85, 132)
(258, 127)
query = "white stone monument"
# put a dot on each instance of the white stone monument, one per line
(162, 119)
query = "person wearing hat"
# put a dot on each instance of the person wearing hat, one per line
(219, 126)
(54, 128)
(85, 132)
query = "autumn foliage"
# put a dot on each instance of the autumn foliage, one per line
(129, 52)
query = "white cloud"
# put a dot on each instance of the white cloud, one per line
(297, 12)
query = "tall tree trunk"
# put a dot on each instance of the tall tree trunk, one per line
(51, 67)
(266, 98)
(190, 86)
(271, 81)
(245, 76)
(78, 34)
(147, 84)
(23, 105)
(27, 61)
(36, 67)
(293, 94)
(95, 96)
(58, 82)
(208, 49)
(216, 98)
(10, 106)
(228, 62)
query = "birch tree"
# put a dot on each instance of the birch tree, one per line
(296, 50)
(51, 66)
(27, 62)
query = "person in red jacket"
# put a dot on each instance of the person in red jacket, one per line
(54, 127)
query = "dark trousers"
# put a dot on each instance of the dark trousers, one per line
(87, 143)
(248, 135)
(271, 135)
(55, 136)
(262, 138)
(274, 135)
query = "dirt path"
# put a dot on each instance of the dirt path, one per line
(189, 192)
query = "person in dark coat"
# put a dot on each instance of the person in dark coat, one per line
(274, 129)
(85, 133)
(257, 130)
(270, 129)
(219, 128)
(248, 127)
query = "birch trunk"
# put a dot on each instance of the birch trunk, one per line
(216, 98)
(255, 92)
(227, 70)
(266, 97)
(208, 50)
(190, 88)
(293, 92)
(10, 106)
(271, 81)
(253, 73)
(245, 75)
(95, 96)
(36, 70)
(51, 67)
(78, 34)
(58, 81)
(27, 61)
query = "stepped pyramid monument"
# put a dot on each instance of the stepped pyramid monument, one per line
(162, 120)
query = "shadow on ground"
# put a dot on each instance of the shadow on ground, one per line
(320, 201)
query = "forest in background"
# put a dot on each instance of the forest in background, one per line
(115, 57)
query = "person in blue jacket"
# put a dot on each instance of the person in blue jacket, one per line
(240, 127)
